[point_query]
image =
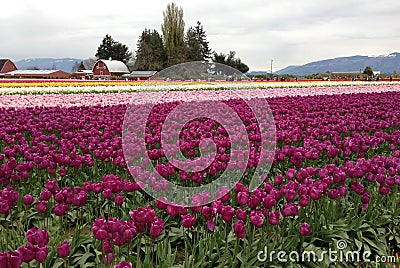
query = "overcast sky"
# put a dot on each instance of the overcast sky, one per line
(291, 32)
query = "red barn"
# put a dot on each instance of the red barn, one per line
(6, 66)
(106, 69)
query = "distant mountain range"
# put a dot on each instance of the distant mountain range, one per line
(64, 64)
(385, 64)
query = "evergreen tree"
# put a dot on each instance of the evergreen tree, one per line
(193, 46)
(109, 48)
(151, 53)
(230, 60)
(77, 67)
(202, 38)
(89, 63)
(368, 71)
(81, 66)
(197, 44)
(173, 34)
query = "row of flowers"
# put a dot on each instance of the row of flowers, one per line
(76, 87)
(45, 83)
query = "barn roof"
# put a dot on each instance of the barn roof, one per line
(85, 72)
(143, 73)
(2, 63)
(115, 66)
(32, 72)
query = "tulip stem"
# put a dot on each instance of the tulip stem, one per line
(138, 248)
(186, 244)
(6, 235)
(128, 250)
(236, 247)
(253, 228)
(226, 241)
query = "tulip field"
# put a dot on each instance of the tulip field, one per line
(70, 196)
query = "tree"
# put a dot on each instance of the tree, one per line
(89, 63)
(368, 71)
(151, 53)
(204, 45)
(111, 49)
(77, 67)
(230, 60)
(81, 66)
(197, 44)
(173, 34)
(193, 46)
(220, 58)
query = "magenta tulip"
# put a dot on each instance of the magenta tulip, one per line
(305, 229)
(64, 249)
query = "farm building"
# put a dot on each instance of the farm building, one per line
(52, 74)
(140, 75)
(107, 69)
(6, 66)
(83, 74)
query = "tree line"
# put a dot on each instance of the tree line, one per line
(157, 51)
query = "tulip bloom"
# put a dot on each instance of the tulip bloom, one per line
(123, 264)
(41, 253)
(156, 227)
(118, 199)
(64, 249)
(4, 206)
(305, 229)
(304, 201)
(256, 218)
(239, 229)
(227, 213)
(242, 198)
(41, 206)
(290, 210)
(209, 214)
(241, 214)
(269, 201)
(384, 189)
(27, 199)
(37, 237)
(188, 220)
